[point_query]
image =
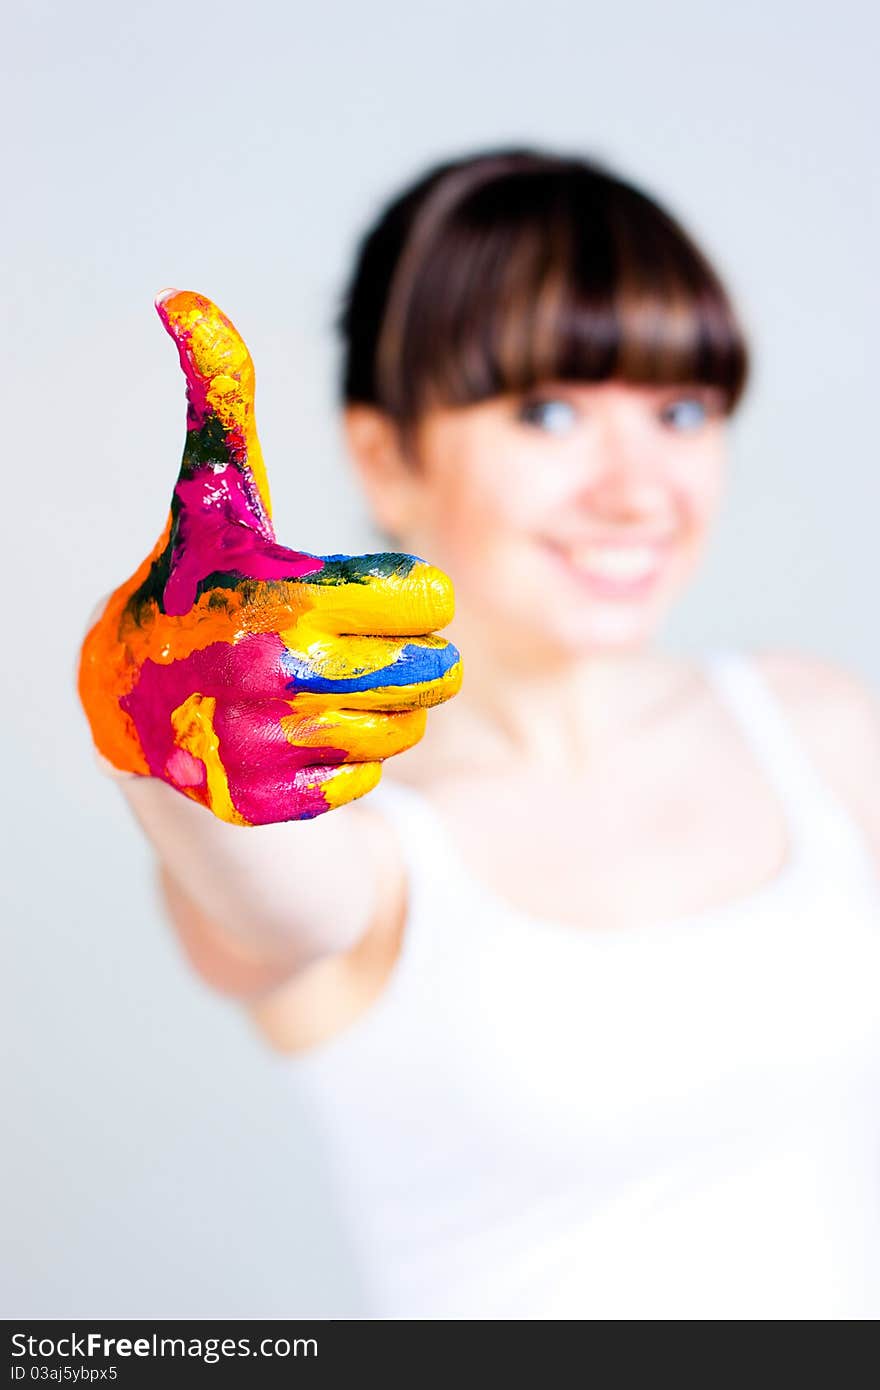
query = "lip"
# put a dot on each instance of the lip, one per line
(615, 540)
(620, 587)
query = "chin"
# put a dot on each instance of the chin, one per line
(558, 641)
(607, 628)
(612, 636)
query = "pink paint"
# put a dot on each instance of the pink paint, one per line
(196, 385)
(215, 531)
(266, 774)
(185, 770)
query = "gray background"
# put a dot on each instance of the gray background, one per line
(159, 1162)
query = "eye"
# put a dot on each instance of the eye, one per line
(548, 413)
(686, 414)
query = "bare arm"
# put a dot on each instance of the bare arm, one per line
(254, 906)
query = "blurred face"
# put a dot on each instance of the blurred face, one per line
(570, 517)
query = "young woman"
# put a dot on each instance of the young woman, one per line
(585, 989)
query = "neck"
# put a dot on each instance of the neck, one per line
(557, 710)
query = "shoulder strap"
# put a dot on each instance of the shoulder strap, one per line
(805, 797)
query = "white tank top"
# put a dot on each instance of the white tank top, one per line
(676, 1120)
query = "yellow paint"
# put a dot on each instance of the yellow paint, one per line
(341, 630)
(364, 735)
(193, 724)
(342, 658)
(386, 605)
(345, 656)
(349, 782)
(384, 697)
(222, 360)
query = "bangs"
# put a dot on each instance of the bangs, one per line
(550, 274)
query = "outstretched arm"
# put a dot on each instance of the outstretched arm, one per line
(241, 690)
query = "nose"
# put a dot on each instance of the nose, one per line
(628, 486)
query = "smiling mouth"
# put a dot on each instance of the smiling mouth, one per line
(614, 570)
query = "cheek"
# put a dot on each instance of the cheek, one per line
(709, 470)
(471, 517)
(480, 538)
(699, 493)
(689, 485)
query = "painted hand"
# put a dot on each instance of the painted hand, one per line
(265, 683)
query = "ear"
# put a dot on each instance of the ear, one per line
(379, 461)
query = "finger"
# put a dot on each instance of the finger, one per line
(390, 698)
(272, 779)
(312, 791)
(361, 595)
(221, 427)
(396, 674)
(254, 688)
(381, 595)
(366, 736)
(327, 787)
(237, 760)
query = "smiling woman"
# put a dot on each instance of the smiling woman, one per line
(584, 993)
(624, 1042)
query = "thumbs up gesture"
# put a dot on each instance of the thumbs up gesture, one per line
(267, 684)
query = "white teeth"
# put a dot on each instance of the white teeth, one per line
(631, 562)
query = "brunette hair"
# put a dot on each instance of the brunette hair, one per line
(502, 269)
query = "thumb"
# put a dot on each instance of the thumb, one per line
(221, 428)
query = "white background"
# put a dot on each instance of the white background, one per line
(161, 1164)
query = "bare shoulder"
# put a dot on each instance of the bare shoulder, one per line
(836, 713)
(819, 692)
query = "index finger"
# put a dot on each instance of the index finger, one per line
(381, 595)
